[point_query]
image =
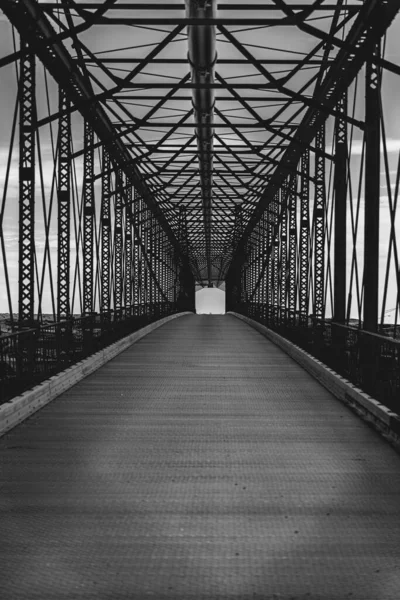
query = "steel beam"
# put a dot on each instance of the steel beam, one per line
(319, 226)
(340, 190)
(202, 57)
(36, 30)
(27, 133)
(136, 249)
(105, 233)
(273, 299)
(118, 243)
(88, 219)
(128, 246)
(304, 263)
(292, 274)
(283, 259)
(64, 208)
(370, 24)
(372, 194)
(176, 7)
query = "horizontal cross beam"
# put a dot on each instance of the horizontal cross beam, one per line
(222, 6)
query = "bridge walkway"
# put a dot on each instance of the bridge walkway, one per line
(201, 463)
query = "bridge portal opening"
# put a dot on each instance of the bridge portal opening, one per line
(210, 301)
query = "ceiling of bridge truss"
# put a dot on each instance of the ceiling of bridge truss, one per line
(271, 54)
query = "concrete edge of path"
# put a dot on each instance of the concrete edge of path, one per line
(381, 418)
(23, 406)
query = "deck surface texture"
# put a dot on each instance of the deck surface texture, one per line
(201, 463)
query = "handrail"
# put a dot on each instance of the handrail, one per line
(32, 355)
(369, 360)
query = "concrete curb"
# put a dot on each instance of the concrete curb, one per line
(386, 422)
(21, 407)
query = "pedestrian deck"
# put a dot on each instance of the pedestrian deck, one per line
(201, 463)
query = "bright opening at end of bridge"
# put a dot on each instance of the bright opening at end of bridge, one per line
(210, 301)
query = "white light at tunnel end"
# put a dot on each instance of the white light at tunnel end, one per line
(210, 301)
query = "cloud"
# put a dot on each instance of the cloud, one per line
(392, 145)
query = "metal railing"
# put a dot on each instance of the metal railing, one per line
(29, 356)
(370, 361)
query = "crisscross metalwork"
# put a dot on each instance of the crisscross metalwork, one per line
(164, 146)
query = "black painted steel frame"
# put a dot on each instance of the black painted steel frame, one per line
(127, 266)
(289, 202)
(64, 208)
(370, 354)
(27, 137)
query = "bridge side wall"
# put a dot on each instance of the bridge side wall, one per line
(23, 406)
(386, 422)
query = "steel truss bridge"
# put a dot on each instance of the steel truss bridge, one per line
(150, 149)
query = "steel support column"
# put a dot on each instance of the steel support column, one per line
(27, 133)
(275, 260)
(319, 225)
(340, 189)
(88, 216)
(304, 264)
(136, 252)
(369, 358)
(150, 260)
(64, 206)
(118, 243)
(292, 281)
(283, 255)
(128, 247)
(145, 287)
(270, 282)
(105, 232)
(372, 194)
(185, 284)
(234, 279)
(140, 274)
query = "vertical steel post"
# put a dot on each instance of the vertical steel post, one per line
(292, 300)
(136, 253)
(340, 189)
(64, 206)
(264, 261)
(118, 244)
(257, 269)
(283, 256)
(369, 357)
(164, 268)
(235, 291)
(159, 264)
(319, 225)
(304, 238)
(269, 296)
(372, 194)
(27, 133)
(140, 273)
(145, 296)
(186, 283)
(88, 218)
(128, 247)
(150, 254)
(275, 263)
(105, 233)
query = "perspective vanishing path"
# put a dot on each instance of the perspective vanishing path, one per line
(201, 463)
